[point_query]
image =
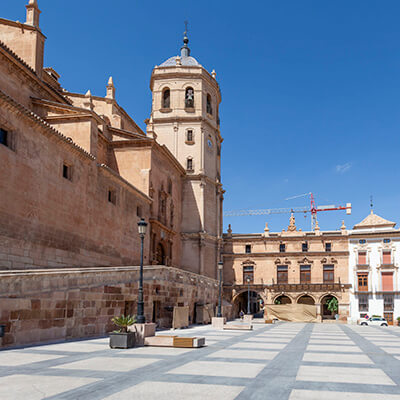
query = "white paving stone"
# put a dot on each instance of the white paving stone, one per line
(366, 376)
(250, 354)
(337, 358)
(118, 364)
(267, 340)
(259, 346)
(298, 394)
(79, 347)
(176, 391)
(154, 351)
(36, 387)
(331, 342)
(219, 368)
(15, 358)
(391, 350)
(333, 348)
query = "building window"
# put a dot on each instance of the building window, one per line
(329, 274)
(282, 274)
(67, 172)
(386, 240)
(387, 281)
(139, 211)
(304, 247)
(189, 98)
(363, 302)
(362, 241)
(112, 196)
(4, 137)
(209, 105)
(189, 164)
(189, 135)
(169, 186)
(388, 302)
(248, 248)
(166, 98)
(282, 248)
(248, 272)
(362, 281)
(328, 247)
(305, 273)
(386, 257)
(171, 216)
(362, 258)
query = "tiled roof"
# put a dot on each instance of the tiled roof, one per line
(374, 220)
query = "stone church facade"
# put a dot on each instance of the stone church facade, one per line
(79, 173)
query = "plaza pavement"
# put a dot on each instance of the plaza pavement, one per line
(282, 361)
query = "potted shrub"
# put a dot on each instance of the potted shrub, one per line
(398, 321)
(121, 338)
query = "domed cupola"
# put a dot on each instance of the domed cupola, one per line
(185, 59)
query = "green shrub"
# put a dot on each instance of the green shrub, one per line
(123, 322)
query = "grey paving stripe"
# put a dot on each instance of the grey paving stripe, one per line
(277, 379)
(116, 382)
(385, 361)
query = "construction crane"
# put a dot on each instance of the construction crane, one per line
(313, 209)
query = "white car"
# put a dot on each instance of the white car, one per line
(379, 321)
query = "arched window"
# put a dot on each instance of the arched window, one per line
(209, 105)
(166, 98)
(189, 164)
(189, 98)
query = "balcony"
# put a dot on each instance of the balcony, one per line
(308, 287)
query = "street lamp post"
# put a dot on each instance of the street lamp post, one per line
(220, 267)
(248, 295)
(142, 225)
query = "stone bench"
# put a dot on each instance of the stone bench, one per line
(238, 327)
(175, 341)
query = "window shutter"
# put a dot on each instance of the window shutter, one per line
(386, 257)
(387, 281)
(362, 258)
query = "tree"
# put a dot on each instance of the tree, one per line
(332, 305)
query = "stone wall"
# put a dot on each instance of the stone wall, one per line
(46, 305)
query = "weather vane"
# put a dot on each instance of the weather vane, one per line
(371, 202)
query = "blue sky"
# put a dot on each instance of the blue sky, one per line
(310, 90)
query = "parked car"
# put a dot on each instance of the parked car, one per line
(379, 321)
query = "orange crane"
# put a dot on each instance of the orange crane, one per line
(313, 209)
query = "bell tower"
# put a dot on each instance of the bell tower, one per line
(185, 119)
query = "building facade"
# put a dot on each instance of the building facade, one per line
(374, 258)
(79, 173)
(291, 266)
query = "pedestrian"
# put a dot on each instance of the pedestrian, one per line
(241, 314)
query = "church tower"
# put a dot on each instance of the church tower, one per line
(185, 119)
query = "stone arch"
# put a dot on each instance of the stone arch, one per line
(282, 298)
(305, 298)
(257, 300)
(325, 313)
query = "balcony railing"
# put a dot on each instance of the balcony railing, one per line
(308, 287)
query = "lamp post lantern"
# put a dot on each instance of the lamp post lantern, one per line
(220, 267)
(248, 295)
(142, 226)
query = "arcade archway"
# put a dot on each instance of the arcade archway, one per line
(306, 299)
(256, 302)
(328, 310)
(283, 299)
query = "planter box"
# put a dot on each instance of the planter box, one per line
(122, 340)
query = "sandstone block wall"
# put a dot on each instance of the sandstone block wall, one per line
(47, 305)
